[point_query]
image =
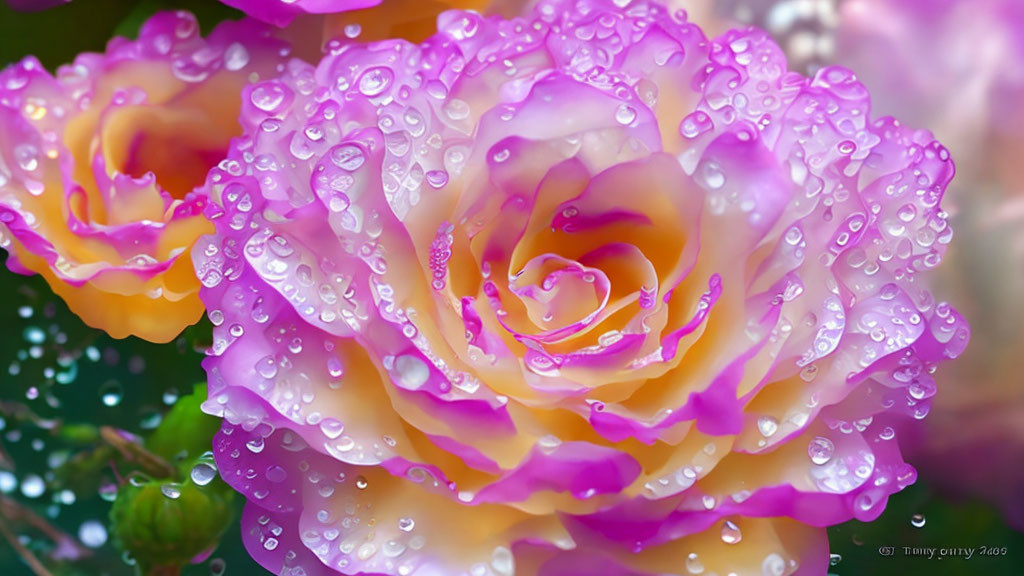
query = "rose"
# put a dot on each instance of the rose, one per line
(581, 293)
(98, 165)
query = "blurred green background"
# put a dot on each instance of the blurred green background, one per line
(61, 381)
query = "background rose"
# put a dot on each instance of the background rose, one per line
(581, 292)
(98, 165)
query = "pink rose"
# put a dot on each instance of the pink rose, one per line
(98, 166)
(577, 293)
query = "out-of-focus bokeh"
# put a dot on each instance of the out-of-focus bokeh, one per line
(954, 66)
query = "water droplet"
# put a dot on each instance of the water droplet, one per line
(834, 559)
(108, 491)
(437, 178)
(218, 567)
(712, 176)
(625, 114)
(361, 483)
(502, 561)
(375, 81)
(267, 367)
(111, 393)
(917, 520)
(501, 155)
(406, 524)
(276, 474)
(255, 445)
(695, 124)
(27, 157)
(456, 109)
(767, 426)
(267, 96)
(820, 450)
(411, 372)
(203, 473)
(693, 564)
(170, 397)
(347, 157)
(236, 57)
(773, 565)
(171, 491)
(731, 533)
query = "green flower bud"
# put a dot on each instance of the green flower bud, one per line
(164, 523)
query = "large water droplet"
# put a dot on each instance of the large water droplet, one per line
(767, 426)
(820, 450)
(731, 533)
(267, 96)
(411, 372)
(347, 157)
(375, 81)
(625, 114)
(236, 57)
(171, 491)
(203, 473)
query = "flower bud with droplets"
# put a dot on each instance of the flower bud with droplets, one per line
(166, 523)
